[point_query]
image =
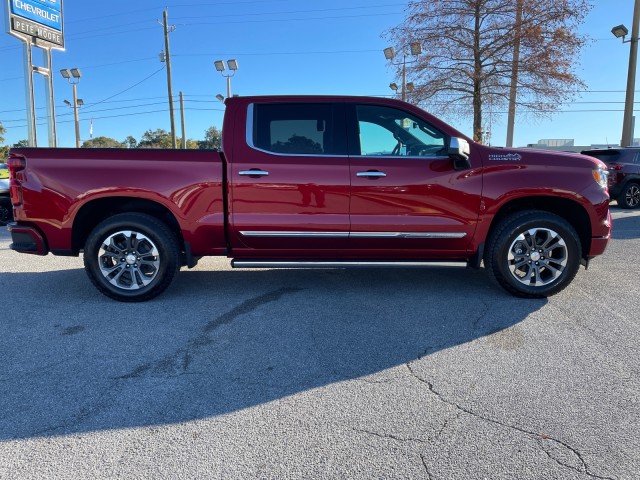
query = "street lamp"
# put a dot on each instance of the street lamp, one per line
(73, 77)
(414, 49)
(220, 97)
(621, 31)
(233, 68)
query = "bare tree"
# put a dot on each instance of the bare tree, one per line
(474, 48)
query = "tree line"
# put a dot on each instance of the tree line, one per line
(158, 138)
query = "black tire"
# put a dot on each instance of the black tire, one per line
(131, 257)
(524, 271)
(629, 196)
(6, 211)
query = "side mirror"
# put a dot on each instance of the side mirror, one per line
(459, 152)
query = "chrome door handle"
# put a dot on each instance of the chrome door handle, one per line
(371, 174)
(253, 173)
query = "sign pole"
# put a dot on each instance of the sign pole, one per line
(29, 95)
(51, 108)
(37, 23)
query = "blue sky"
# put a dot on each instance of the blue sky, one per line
(282, 47)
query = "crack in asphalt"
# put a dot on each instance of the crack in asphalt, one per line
(540, 438)
(426, 467)
(446, 424)
(103, 403)
(388, 436)
(476, 322)
(177, 363)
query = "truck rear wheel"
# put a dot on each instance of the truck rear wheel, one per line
(131, 257)
(533, 254)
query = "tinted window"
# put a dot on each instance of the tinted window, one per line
(389, 131)
(306, 129)
(606, 156)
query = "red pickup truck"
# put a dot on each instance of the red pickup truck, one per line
(314, 181)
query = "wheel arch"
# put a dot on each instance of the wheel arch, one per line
(631, 178)
(569, 210)
(97, 210)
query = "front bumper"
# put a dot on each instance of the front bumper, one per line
(599, 244)
(27, 239)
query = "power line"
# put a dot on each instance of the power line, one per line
(291, 12)
(128, 88)
(128, 115)
(341, 17)
(244, 15)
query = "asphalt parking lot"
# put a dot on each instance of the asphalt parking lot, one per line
(278, 374)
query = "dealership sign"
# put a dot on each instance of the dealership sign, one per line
(39, 22)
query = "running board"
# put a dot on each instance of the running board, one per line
(344, 264)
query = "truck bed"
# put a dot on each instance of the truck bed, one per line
(63, 185)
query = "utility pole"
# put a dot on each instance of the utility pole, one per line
(627, 125)
(169, 86)
(75, 114)
(511, 119)
(184, 133)
(404, 76)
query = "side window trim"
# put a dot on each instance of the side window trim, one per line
(250, 130)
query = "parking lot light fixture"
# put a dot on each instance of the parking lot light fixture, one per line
(414, 49)
(232, 64)
(620, 32)
(73, 77)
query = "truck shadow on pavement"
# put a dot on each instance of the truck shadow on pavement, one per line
(219, 341)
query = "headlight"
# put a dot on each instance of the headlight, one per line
(600, 175)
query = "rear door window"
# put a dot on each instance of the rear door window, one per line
(298, 129)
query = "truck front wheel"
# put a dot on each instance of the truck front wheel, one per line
(533, 254)
(131, 257)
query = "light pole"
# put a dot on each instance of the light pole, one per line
(233, 68)
(415, 49)
(73, 77)
(621, 32)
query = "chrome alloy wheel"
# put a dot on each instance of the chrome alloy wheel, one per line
(632, 196)
(128, 260)
(537, 257)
